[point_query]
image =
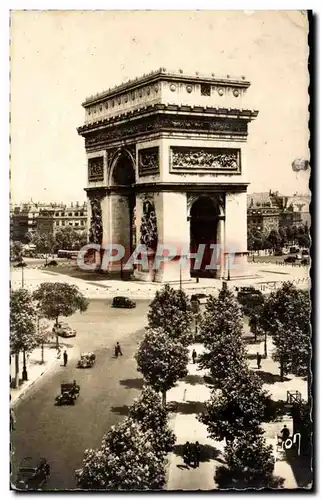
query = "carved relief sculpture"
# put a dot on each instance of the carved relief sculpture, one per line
(148, 161)
(205, 159)
(148, 228)
(96, 169)
(96, 227)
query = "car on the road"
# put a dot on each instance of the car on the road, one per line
(290, 259)
(249, 298)
(69, 392)
(33, 473)
(305, 252)
(199, 297)
(87, 360)
(64, 330)
(305, 261)
(294, 250)
(123, 302)
(51, 263)
(20, 264)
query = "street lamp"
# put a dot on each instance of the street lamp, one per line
(265, 344)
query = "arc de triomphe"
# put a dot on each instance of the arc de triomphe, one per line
(167, 158)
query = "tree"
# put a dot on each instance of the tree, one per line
(59, 299)
(149, 412)
(43, 333)
(16, 250)
(22, 328)
(126, 460)
(221, 333)
(286, 317)
(274, 239)
(250, 462)
(237, 407)
(44, 243)
(161, 360)
(69, 239)
(170, 310)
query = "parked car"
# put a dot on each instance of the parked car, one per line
(294, 250)
(32, 473)
(290, 259)
(123, 302)
(199, 297)
(305, 252)
(305, 261)
(64, 330)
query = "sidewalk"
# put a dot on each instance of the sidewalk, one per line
(35, 370)
(189, 395)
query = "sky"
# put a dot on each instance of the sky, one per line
(58, 58)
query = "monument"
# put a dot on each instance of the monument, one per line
(167, 158)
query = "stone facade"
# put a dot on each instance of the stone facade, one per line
(167, 154)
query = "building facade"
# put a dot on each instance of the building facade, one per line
(167, 158)
(46, 218)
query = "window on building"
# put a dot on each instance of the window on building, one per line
(70, 223)
(82, 214)
(63, 222)
(76, 224)
(70, 214)
(205, 89)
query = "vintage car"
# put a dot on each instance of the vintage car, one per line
(290, 259)
(87, 360)
(64, 330)
(32, 474)
(123, 302)
(69, 392)
(199, 297)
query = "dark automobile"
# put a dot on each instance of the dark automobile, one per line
(51, 263)
(294, 250)
(290, 259)
(20, 264)
(87, 360)
(249, 298)
(305, 252)
(199, 297)
(32, 474)
(124, 302)
(278, 252)
(305, 261)
(69, 392)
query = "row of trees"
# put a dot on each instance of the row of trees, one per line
(133, 454)
(285, 317)
(284, 236)
(29, 312)
(238, 404)
(49, 243)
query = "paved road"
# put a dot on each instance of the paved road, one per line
(61, 434)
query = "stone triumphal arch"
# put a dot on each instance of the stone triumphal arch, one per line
(167, 157)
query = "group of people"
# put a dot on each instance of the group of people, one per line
(191, 454)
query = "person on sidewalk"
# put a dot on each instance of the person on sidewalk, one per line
(194, 356)
(285, 433)
(65, 356)
(187, 454)
(196, 451)
(58, 352)
(118, 350)
(259, 360)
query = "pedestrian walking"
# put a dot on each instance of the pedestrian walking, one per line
(58, 352)
(65, 356)
(259, 360)
(196, 451)
(187, 453)
(194, 356)
(118, 350)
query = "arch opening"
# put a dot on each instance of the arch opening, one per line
(204, 219)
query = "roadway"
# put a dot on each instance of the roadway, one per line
(61, 434)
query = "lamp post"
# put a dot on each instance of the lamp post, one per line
(22, 276)
(265, 344)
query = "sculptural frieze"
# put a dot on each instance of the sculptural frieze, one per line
(148, 161)
(204, 159)
(96, 169)
(148, 228)
(96, 226)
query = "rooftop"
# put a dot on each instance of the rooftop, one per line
(163, 73)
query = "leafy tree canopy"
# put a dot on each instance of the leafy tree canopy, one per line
(59, 299)
(170, 310)
(22, 321)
